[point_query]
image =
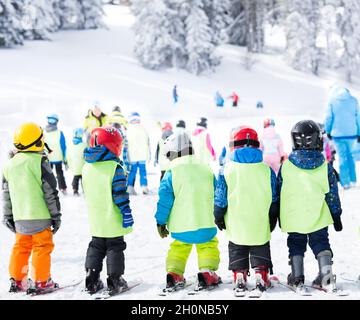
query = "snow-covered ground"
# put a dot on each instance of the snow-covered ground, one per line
(66, 75)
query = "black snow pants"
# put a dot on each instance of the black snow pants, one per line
(111, 248)
(239, 256)
(59, 175)
(76, 182)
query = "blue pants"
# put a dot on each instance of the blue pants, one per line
(346, 160)
(134, 166)
(318, 241)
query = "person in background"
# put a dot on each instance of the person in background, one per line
(95, 119)
(204, 150)
(219, 100)
(175, 94)
(259, 105)
(55, 140)
(272, 146)
(160, 158)
(342, 124)
(116, 119)
(76, 158)
(31, 210)
(185, 209)
(235, 99)
(180, 127)
(139, 153)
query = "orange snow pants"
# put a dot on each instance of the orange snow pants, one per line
(40, 245)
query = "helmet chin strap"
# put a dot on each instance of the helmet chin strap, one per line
(47, 148)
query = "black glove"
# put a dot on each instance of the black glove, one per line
(329, 136)
(358, 139)
(337, 224)
(221, 224)
(55, 225)
(10, 224)
(273, 222)
(163, 232)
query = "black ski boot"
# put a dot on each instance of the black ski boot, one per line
(116, 284)
(93, 282)
(296, 278)
(325, 276)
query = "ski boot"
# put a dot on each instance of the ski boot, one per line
(296, 278)
(207, 280)
(262, 281)
(18, 286)
(174, 282)
(63, 191)
(93, 283)
(145, 190)
(41, 287)
(76, 193)
(240, 281)
(131, 191)
(325, 276)
(116, 284)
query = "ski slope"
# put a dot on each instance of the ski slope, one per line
(66, 75)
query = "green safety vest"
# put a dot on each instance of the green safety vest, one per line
(303, 208)
(249, 200)
(23, 174)
(76, 158)
(53, 141)
(105, 218)
(193, 185)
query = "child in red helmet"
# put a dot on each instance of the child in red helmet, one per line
(108, 204)
(247, 208)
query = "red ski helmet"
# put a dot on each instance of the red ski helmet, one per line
(166, 126)
(108, 137)
(244, 136)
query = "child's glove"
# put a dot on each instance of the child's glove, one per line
(329, 136)
(66, 165)
(128, 220)
(221, 224)
(10, 224)
(163, 232)
(337, 224)
(273, 222)
(55, 223)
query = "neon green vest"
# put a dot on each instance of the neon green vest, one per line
(53, 141)
(249, 201)
(23, 174)
(105, 218)
(303, 208)
(193, 185)
(76, 158)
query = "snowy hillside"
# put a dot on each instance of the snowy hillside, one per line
(66, 75)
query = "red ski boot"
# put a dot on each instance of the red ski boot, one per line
(18, 286)
(240, 281)
(42, 287)
(262, 278)
(208, 280)
(174, 282)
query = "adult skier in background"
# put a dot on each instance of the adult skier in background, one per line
(31, 210)
(94, 119)
(160, 157)
(139, 153)
(219, 100)
(309, 203)
(116, 118)
(108, 205)
(235, 99)
(247, 208)
(175, 94)
(76, 158)
(201, 142)
(272, 146)
(55, 139)
(185, 207)
(180, 127)
(342, 124)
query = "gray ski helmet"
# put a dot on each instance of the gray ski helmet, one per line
(202, 122)
(306, 135)
(177, 143)
(181, 124)
(116, 109)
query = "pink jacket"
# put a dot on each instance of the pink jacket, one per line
(272, 146)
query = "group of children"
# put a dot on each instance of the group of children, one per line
(246, 201)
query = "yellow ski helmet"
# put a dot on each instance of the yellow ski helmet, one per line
(29, 137)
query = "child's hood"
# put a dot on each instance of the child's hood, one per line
(99, 153)
(247, 155)
(307, 159)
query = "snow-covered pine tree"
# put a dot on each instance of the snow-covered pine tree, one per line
(237, 30)
(93, 13)
(199, 40)
(38, 20)
(154, 45)
(302, 28)
(10, 25)
(349, 24)
(255, 22)
(68, 13)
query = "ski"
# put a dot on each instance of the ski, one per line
(300, 290)
(55, 289)
(104, 295)
(169, 291)
(334, 290)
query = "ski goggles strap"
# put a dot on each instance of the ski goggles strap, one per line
(21, 147)
(245, 142)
